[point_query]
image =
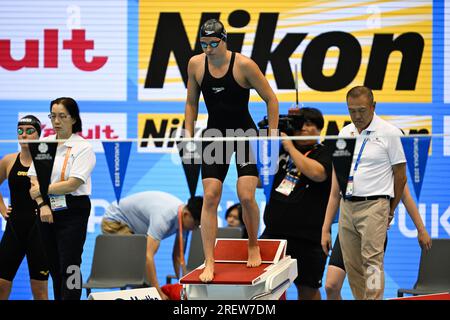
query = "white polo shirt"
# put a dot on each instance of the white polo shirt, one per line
(374, 174)
(80, 164)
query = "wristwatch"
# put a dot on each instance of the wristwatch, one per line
(40, 205)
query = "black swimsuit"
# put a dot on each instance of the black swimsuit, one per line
(227, 105)
(22, 236)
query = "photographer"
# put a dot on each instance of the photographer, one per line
(298, 200)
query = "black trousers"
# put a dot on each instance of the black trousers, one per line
(63, 242)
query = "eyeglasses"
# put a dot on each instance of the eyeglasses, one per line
(213, 44)
(28, 131)
(61, 116)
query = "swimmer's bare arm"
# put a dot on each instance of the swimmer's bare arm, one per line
(4, 163)
(332, 208)
(193, 95)
(423, 237)
(256, 80)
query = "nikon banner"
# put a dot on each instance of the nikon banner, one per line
(337, 45)
(164, 126)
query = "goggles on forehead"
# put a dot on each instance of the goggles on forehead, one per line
(20, 131)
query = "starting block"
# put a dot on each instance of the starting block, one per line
(233, 280)
(435, 296)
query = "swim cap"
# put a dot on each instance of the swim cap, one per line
(31, 121)
(213, 28)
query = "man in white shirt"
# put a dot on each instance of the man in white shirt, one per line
(158, 215)
(375, 186)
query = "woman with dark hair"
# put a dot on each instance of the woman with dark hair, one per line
(64, 213)
(21, 237)
(234, 219)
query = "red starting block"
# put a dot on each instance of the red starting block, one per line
(435, 296)
(234, 280)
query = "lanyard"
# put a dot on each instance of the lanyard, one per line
(180, 237)
(360, 152)
(63, 171)
(291, 163)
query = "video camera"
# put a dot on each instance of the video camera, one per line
(287, 123)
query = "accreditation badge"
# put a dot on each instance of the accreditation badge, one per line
(349, 191)
(287, 185)
(58, 202)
